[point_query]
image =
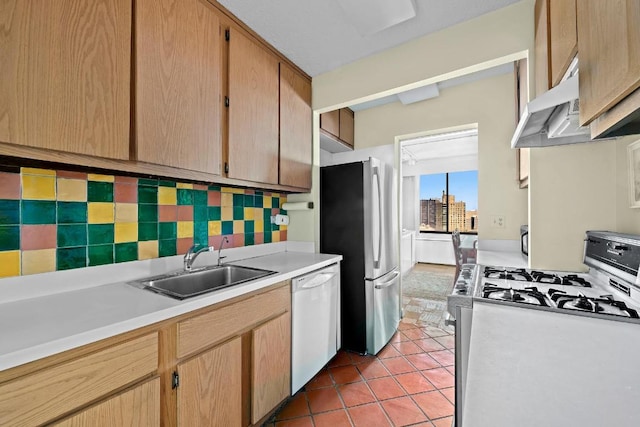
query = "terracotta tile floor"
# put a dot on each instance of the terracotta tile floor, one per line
(409, 383)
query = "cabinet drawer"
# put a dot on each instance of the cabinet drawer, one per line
(51, 392)
(201, 331)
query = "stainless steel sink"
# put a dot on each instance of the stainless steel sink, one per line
(186, 284)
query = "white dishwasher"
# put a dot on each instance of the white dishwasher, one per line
(315, 323)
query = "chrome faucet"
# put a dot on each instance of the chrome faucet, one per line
(224, 239)
(191, 256)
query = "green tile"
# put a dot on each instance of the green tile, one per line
(166, 183)
(227, 227)
(267, 236)
(266, 216)
(214, 213)
(126, 252)
(259, 193)
(249, 201)
(100, 255)
(68, 258)
(185, 196)
(72, 213)
(9, 212)
(148, 182)
(100, 233)
(72, 235)
(38, 212)
(200, 197)
(258, 201)
(147, 194)
(147, 213)
(167, 247)
(147, 231)
(98, 191)
(238, 212)
(9, 237)
(238, 200)
(201, 232)
(248, 226)
(275, 202)
(215, 187)
(167, 230)
(248, 239)
(200, 213)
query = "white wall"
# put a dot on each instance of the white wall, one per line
(410, 207)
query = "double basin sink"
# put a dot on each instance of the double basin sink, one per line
(187, 284)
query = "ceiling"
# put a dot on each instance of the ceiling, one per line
(320, 36)
(451, 144)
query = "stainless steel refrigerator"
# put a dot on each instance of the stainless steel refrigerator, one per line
(358, 220)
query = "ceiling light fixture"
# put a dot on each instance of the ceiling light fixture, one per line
(372, 16)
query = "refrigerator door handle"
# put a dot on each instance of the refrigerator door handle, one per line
(388, 282)
(378, 227)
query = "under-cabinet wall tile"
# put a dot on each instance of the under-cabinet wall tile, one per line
(71, 190)
(101, 213)
(126, 232)
(9, 263)
(148, 249)
(9, 186)
(167, 196)
(39, 261)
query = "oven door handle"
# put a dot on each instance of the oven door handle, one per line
(449, 320)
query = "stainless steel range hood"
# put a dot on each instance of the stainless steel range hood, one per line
(552, 119)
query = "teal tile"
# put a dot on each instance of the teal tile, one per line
(238, 212)
(248, 226)
(9, 237)
(147, 231)
(167, 247)
(258, 201)
(259, 193)
(266, 216)
(124, 252)
(275, 202)
(267, 236)
(147, 213)
(214, 187)
(201, 232)
(200, 197)
(100, 255)
(148, 182)
(227, 227)
(38, 212)
(72, 235)
(248, 201)
(147, 194)
(248, 239)
(68, 258)
(98, 191)
(185, 196)
(72, 213)
(214, 213)
(166, 183)
(167, 230)
(200, 213)
(9, 212)
(100, 233)
(238, 200)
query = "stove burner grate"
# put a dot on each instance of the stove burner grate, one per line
(591, 304)
(530, 295)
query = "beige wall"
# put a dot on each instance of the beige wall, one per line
(490, 104)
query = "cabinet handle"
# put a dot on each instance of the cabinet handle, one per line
(175, 380)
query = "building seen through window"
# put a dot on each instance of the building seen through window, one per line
(449, 201)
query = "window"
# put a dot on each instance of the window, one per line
(449, 201)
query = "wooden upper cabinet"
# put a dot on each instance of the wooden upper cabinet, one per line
(253, 110)
(346, 126)
(330, 122)
(541, 52)
(295, 128)
(65, 71)
(563, 37)
(609, 52)
(178, 84)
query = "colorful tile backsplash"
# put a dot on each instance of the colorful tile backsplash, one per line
(57, 220)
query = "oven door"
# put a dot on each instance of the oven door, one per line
(462, 324)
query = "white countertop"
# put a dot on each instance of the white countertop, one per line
(502, 258)
(33, 328)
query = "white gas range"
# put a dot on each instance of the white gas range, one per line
(563, 341)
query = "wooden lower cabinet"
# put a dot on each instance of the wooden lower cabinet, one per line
(210, 391)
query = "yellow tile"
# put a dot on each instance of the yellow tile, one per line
(36, 171)
(36, 187)
(167, 196)
(283, 228)
(184, 185)
(257, 213)
(238, 226)
(266, 202)
(227, 213)
(185, 229)
(72, 190)
(126, 232)
(100, 213)
(232, 190)
(103, 178)
(226, 190)
(226, 199)
(126, 212)
(248, 213)
(9, 263)
(148, 250)
(40, 261)
(215, 228)
(275, 236)
(258, 226)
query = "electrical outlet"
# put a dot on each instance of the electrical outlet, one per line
(497, 221)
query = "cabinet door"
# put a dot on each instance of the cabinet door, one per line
(541, 52)
(210, 390)
(295, 128)
(271, 366)
(65, 71)
(609, 46)
(139, 406)
(330, 122)
(346, 126)
(253, 111)
(563, 36)
(178, 72)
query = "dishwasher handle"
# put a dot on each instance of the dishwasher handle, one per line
(318, 280)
